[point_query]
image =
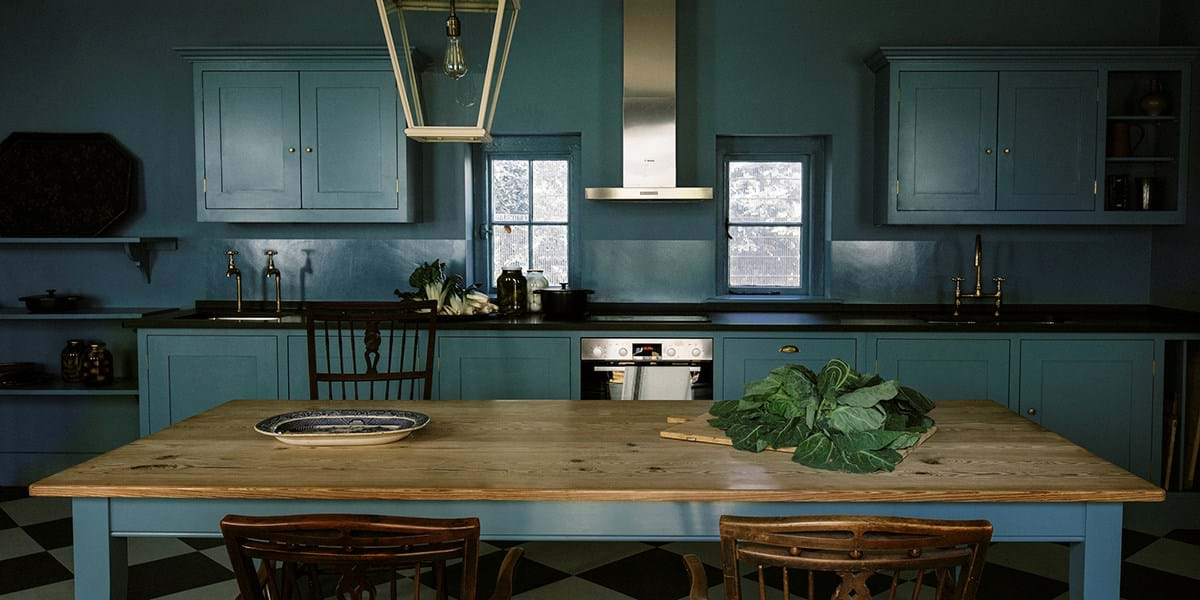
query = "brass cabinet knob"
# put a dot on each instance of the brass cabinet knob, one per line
(789, 349)
(987, 151)
(1031, 411)
(1007, 151)
(291, 150)
(308, 149)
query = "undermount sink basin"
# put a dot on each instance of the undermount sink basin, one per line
(242, 318)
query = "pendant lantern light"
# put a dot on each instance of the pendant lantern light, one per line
(391, 14)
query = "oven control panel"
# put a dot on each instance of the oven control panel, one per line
(646, 350)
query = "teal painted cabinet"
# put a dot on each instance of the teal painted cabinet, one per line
(536, 368)
(188, 374)
(1047, 141)
(947, 137)
(349, 358)
(948, 369)
(1016, 136)
(1097, 393)
(301, 135)
(251, 120)
(746, 359)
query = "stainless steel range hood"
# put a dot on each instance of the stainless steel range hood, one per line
(648, 103)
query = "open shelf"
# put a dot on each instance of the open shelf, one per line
(121, 387)
(1140, 159)
(87, 314)
(136, 248)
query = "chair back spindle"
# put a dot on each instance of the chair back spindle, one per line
(351, 333)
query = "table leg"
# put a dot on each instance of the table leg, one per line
(101, 565)
(1096, 561)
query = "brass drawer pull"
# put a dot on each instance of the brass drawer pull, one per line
(789, 349)
(1031, 411)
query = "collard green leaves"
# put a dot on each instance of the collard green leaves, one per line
(838, 419)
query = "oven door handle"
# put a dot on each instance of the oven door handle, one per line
(621, 369)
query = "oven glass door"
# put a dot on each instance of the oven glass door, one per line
(615, 381)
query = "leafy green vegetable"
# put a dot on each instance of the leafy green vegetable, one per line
(838, 419)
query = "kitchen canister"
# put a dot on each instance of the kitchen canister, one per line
(72, 358)
(537, 282)
(98, 365)
(511, 291)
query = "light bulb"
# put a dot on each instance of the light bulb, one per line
(455, 62)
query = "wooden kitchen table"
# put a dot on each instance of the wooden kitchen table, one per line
(587, 470)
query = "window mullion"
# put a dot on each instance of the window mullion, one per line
(529, 227)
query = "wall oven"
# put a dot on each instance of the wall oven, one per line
(646, 368)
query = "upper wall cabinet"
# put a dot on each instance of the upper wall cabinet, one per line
(300, 135)
(1028, 136)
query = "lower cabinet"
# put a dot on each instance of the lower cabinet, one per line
(531, 368)
(1096, 393)
(746, 359)
(948, 369)
(188, 374)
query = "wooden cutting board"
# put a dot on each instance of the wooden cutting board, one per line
(697, 429)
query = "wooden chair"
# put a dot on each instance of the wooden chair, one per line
(951, 553)
(391, 348)
(348, 556)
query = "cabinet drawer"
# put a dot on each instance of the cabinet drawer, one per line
(948, 369)
(748, 359)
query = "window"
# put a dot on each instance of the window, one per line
(529, 184)
(773, 230)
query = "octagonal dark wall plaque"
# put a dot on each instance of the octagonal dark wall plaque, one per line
(63, 184)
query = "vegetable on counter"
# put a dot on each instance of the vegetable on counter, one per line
(838, 420)
(452, 294)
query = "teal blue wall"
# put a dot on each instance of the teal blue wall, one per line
(1176, 251)
(746, 67)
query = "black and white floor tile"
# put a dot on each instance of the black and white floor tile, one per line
(36, 564)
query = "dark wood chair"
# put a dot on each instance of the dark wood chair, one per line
(946, 556)
(349, 556)
(390, 349)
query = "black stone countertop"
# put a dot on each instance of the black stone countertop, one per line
(773, 317)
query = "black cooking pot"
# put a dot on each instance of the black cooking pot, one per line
(49, 303)
(564, 304)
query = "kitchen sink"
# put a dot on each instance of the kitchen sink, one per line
(242, 318)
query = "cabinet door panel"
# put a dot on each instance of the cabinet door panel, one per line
(480, 368)
(251, 119)
(349, 121)
(748, 359)
(947, 122)
(1096, 393)
(1047, 141)
(191, 374)
(948, 369)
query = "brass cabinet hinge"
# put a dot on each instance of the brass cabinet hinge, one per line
(397, 185)
(1095, 187)
(204, 184)
(897, 188)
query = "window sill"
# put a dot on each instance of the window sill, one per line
(773, 298)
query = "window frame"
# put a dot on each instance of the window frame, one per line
(524, 148)
(811, 152)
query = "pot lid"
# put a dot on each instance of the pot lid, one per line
(565, 289)
(49, 295)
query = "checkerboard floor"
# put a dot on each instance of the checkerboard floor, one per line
(36, 564)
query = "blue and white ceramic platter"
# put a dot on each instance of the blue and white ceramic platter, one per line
(342, 427)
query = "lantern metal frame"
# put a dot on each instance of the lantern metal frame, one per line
(410, 95)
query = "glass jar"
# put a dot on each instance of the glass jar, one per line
(72, 361)
(511, 291)
(98, 365)
(537, 282)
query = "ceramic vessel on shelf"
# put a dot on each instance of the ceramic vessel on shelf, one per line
(537, 282)
(72, 359)
(98, 365)
(342, 427)
(1154, 103)
(511, 291)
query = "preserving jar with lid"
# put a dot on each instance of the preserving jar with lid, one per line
(512, 290)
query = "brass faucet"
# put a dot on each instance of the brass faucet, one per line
(273, 272)
(959, 296)
(236, 273)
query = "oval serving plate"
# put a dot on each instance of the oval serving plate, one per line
(342, 426)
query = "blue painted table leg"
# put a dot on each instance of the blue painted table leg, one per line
(101, 565)
(1096, 561)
